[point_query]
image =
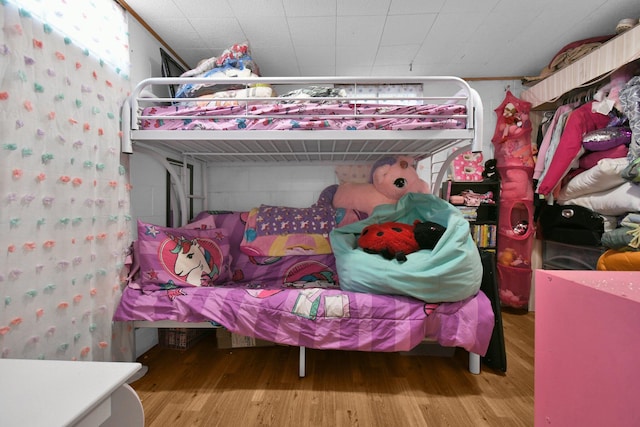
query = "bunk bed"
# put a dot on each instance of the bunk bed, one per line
(313, 120)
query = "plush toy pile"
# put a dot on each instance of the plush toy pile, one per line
(391, 178)
(396, 240)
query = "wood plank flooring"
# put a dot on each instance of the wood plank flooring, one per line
(206, 386)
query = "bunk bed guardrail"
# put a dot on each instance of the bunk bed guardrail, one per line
(319, 145)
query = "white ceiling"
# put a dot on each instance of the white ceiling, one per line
(468, 38)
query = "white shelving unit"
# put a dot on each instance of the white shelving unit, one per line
(618, 51)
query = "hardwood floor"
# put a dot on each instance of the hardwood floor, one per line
(206, 386)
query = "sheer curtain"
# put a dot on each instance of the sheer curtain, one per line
(64, 192)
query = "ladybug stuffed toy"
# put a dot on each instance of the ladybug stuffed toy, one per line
(396, 240)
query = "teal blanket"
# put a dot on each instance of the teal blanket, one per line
(452, 271)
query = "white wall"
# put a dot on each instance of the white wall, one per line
(147, 175)
(148, 195)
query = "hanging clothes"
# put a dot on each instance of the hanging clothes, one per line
(580, 121)
(553, 133)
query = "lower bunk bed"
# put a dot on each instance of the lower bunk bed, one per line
(308, 300)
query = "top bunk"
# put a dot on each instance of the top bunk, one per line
(294, 119)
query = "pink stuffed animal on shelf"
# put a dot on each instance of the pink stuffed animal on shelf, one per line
(391, 178)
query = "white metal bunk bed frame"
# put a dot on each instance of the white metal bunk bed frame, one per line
(303, 146)
(328, 146)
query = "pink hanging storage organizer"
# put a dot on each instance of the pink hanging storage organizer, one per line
(515, 162)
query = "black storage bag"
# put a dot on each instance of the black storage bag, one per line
(571, 224)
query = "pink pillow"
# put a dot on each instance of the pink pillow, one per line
(468, 166)
(181, 257)
(589, 160)
(205, 222)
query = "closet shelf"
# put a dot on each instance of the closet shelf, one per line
(620, 50)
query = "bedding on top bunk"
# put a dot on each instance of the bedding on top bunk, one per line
(305, 116)
(231, 106)
(296, 300)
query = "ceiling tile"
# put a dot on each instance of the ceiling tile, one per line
(205, 9)
(317, 62)
(313, 31)
(406, 29)
(359, 30)
(220, 33)
(317, 57)
(351, 69)
(465, 25)
(257, 8)
(482, 6)
(407, 7)
(309, 8)
(265, 30)
(477, 38)
(185, 38)
(363, 55)
(363, 7)
(401, 54)
(284, 64)
(193, 56)
(153, 10)
(392, 70)
(440, 52)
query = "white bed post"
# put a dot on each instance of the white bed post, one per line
(478, 121)
(125, 143)
(301, 362)
(474, 363)
(179, 188)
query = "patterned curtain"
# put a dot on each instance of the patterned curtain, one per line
(64, 192)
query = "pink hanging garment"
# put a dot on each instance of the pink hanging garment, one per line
(581, 121)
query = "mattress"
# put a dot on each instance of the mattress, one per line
(304, 116)
(321, 318)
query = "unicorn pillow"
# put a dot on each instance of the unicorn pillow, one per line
(179, 257)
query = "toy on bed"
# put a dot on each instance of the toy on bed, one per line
(451, 271)
(396, 240)
(391, 178)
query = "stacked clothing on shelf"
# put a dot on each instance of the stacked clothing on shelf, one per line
(589, 157)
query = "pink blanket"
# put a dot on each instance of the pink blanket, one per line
(320, 317)
(306, 116)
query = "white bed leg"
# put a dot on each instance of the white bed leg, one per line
(301, 362)
(474, 363)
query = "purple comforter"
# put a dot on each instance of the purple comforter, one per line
(320, 318)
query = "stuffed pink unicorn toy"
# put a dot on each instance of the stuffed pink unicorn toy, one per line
(391, 178)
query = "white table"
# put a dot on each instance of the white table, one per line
(52, 393)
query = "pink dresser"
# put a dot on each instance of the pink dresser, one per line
(587, 342)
